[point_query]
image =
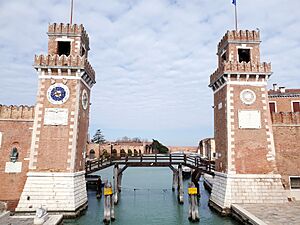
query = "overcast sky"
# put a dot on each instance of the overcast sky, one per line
(152, 58)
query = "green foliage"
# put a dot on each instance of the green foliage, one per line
(98, 138)
(158, 147)
(105, 154)
(129, 152)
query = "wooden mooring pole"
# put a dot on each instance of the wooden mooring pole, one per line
(180, 185)
(109, 213)
(175, 180)
(117, 184)
(193, 203)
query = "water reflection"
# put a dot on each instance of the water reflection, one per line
(147, 199)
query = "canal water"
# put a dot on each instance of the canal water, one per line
(147, 199)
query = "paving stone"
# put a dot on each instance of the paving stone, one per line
(276, 214)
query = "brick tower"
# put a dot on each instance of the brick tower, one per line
(245, 165)
(56, 167)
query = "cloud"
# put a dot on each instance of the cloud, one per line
(152, 58)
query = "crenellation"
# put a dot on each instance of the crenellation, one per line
(68, 29)
(55, 60)
(14, 112)
(285, 118)
(231, 67)
(241, 36)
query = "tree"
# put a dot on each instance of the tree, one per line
(98, 138)
(160, 148)
(136, 139)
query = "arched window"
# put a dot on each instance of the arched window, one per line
(14, 154)
(122, 153)
(92, 154)
(135, 152)
(129, 152)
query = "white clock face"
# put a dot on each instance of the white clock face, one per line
(58, 94)
(84, 99)
(247, 96)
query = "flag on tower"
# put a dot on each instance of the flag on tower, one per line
(234, 2)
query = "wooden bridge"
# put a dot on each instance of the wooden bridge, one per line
(152, 160)
(195, 162)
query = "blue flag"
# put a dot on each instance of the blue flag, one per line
(234, 2)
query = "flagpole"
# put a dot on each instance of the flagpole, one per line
(71, 17)
(235, 9)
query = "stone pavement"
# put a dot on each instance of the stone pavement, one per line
(28, 220)
(275, 214)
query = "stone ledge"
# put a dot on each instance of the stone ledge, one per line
(55, 174)
(247, 176)
(241, 213)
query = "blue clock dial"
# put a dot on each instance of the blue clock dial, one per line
(58, 93)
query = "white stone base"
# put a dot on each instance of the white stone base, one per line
(57, 192)
(246, 188)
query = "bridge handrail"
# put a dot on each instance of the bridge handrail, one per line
(194, 161)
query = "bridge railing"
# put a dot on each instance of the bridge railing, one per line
(153, 159)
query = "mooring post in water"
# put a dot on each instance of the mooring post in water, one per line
(175, 180)
(180, 185)
(112, 209)
(116, 184)
(193, 203)
(119, 180)
(107, 202)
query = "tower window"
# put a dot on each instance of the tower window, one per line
(0, 139)
(296, 106)
(244, 55)
(224, 56)
(295, 182)
(14, 154)
(272, 107)
(63, 48)
(82, 51)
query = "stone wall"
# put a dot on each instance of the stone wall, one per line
(246, 188)
(58, 192)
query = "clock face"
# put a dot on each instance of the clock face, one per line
(58, 94)
(248, 96)
(84, 99)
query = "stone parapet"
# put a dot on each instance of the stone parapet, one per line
(14, 112)
(246, 188)
(77, 62)
(240, 68)
(285, 118)
(240, 36)
(58, 192)
(68, 29)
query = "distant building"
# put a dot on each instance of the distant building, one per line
(118, 148)
(190, 149)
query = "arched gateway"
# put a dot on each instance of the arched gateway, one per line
(56, 164)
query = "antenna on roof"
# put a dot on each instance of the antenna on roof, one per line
(71, 17)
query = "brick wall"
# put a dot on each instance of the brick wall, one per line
(220, 125)
(16, 130)
(286, 128)
(252, 145)
(52, 147)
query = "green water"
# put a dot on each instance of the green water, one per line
(152, 203)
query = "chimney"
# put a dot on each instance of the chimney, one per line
(275, 87)
(282, 89)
